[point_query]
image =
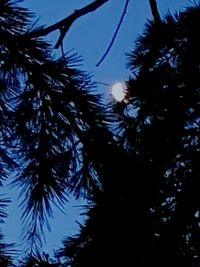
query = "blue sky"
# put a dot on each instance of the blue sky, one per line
(89, 37)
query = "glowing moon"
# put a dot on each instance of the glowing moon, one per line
(118, 91)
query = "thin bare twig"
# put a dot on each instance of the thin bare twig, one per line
(115, 33)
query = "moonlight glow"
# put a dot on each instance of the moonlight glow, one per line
(118, 91)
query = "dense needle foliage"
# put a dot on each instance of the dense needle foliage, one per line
(142, 178)
(49, 115)
(152, 217)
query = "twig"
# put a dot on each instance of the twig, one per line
(115, 33)
(102, 83)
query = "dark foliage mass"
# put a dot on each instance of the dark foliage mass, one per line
(148, 214)
(142, 177)
(49, 116)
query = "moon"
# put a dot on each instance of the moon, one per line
(118, 91)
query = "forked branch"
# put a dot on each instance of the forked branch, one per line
(65, 24)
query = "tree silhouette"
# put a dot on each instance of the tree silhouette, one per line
(142, 176)
(50, 114)
(164, 132)
(149, 211)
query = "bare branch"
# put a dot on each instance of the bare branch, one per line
(65, 24)
(115, 33)
(154, 11)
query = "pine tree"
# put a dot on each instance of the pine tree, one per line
(148, 214)
(164, 132)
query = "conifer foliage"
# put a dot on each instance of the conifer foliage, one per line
(152, 217)
(142, 178)
(47, 109)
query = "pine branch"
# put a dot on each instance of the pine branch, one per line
(115, 34)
